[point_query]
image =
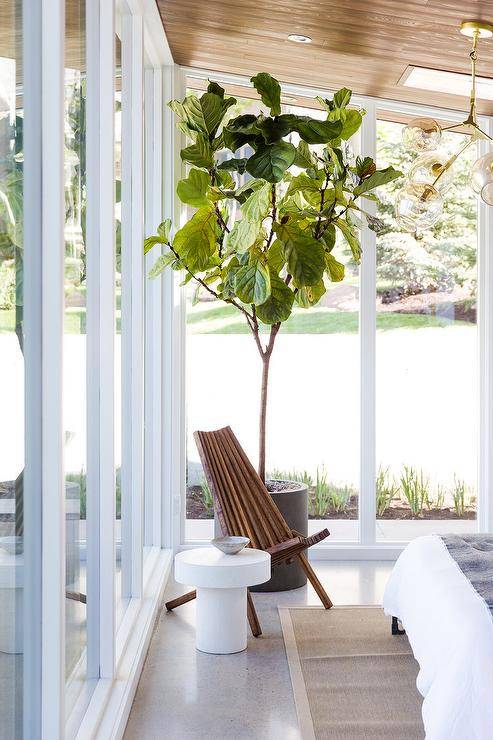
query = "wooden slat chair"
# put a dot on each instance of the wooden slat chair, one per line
(244, 507)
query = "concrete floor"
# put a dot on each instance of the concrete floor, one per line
(187, 695)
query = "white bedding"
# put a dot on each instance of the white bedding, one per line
(450, 629)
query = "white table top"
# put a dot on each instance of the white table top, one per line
(208, 567)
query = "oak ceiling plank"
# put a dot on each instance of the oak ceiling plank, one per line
(365, 45)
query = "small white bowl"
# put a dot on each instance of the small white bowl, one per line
(230, 545)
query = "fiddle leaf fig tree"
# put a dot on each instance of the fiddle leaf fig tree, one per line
(295, 187)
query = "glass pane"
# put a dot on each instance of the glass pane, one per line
(118, 298)
(313, 414)
(75, 349)
(427, 348)
(11, 371)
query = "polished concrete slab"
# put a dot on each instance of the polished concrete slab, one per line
(187, 695)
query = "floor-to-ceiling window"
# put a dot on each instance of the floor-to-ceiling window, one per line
(12, 431)
(412, 370)
(427, 354)
(60, 266)
(324, 341)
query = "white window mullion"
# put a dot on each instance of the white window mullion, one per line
(137, 147)
(100, 340)
(367, 329)
(485, 325)
(52, 311)
(132, 305)
(32, 500)
(174, 424)
(153, 316)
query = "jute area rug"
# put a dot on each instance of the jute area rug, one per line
(352, 679)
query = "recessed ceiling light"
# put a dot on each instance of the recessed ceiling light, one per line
(453, 83)
(298, 38)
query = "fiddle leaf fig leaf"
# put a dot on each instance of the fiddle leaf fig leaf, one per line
(379, 177)
(304, 183)
(204, 114)
(271, 161)
(162, 236)
(193, 189)
(314, 131)
(278, 306)
(305, 255)
(213, 87)
(164, 229)
(257, 204)
(275, 257)
(335, 269)
(199, 154)
(242, 236)
(269, 90)
(274, 129)
(195, 242)
(351, 238)
(342, 97)
(329, 237)
(351, 124)
(161, 264)
(224, 179)
(310, 295)
(252, 283)
(303, 156)
(234, 165)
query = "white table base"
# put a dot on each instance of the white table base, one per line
(221, 620)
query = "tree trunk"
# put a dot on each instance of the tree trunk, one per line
(263, 415)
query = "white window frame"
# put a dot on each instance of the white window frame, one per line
(367, 547)
(103, 703)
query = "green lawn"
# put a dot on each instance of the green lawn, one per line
(225, 320)
(75, 321)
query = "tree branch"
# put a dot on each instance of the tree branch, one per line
(273, 216)
(248, 316)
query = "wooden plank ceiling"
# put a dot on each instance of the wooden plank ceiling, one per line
(363, 44)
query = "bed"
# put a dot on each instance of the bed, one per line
(441, 589)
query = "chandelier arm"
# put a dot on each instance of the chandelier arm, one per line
(448, 164)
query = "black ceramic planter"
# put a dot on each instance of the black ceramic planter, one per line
(293, 505)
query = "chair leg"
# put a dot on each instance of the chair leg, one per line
(180, 600)
(311, 575)
(252, 616)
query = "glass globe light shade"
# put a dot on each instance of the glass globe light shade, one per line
(482, 178)
(422, 134)
(428, 167)
(418, 206)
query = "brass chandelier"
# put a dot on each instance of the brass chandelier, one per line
(419, 204)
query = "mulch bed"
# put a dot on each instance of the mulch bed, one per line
(197, 510)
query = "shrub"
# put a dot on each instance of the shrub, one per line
(295, 475)
(207, 497)
(415, 487)
(339, 497)
(387, 490)
(459, 494)
(322, 498)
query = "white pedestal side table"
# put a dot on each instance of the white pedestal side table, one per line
(221, 582)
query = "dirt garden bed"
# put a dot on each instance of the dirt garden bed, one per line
(196, 509)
